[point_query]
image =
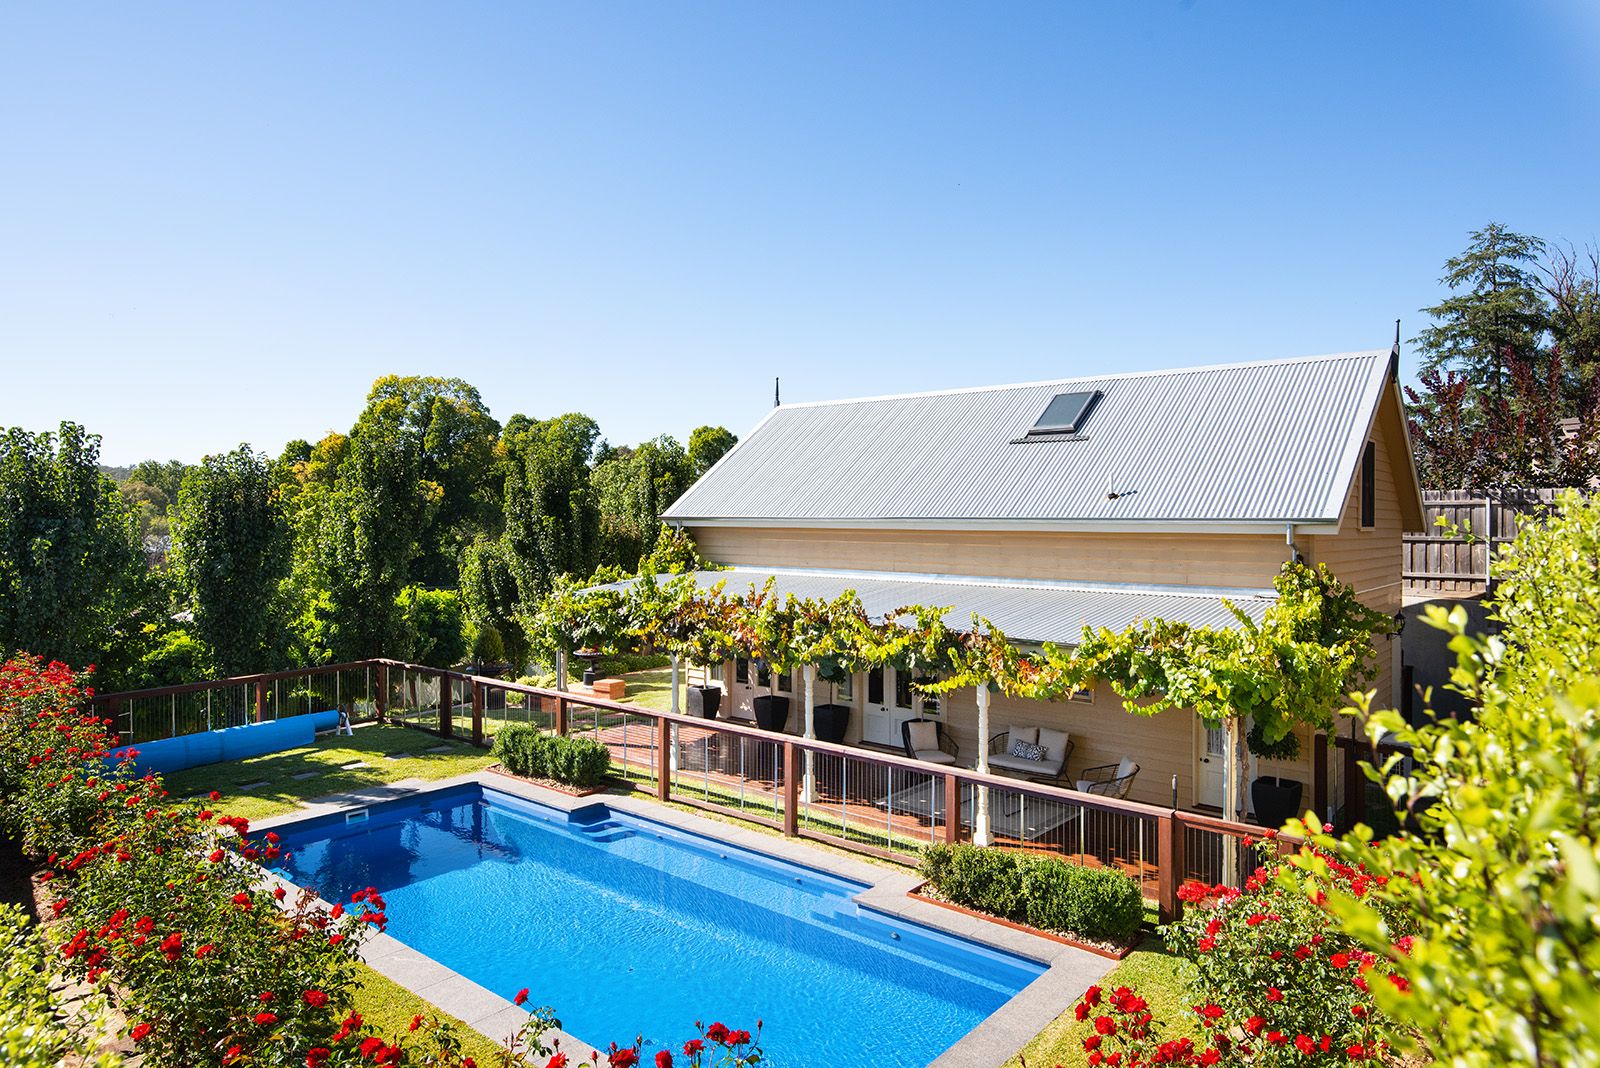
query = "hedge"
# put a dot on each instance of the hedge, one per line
(1044, 892)
(525, 750)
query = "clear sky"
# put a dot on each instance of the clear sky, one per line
(220, 222)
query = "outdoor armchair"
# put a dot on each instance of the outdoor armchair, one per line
(1108, 780)
(926, 740)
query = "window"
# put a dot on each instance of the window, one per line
(786, 682)
(902, 689)
(845, 688)
(875, 686)
(1369, 486)
(1065, 414)
(763, 673)
(741, 671)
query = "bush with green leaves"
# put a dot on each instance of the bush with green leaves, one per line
(525, 750)
(32, 1033)
(1041, 891)
(1502, 873)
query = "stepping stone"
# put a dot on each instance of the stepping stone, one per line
(397, 756)
(304, 775)
(253, 785)
(353, 765)
(442, 749)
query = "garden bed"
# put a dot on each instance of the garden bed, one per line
(1109, 950)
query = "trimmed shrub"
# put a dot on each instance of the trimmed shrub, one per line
(1044, 892)
(525, 750)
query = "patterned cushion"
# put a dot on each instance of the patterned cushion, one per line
(1027, 750)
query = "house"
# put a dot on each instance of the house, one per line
(1054, 505)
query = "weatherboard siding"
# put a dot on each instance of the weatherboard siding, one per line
(1239, 560)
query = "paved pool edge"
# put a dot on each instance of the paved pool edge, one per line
(1069, 970)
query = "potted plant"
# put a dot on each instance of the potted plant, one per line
(832, 720)
(1276, 800)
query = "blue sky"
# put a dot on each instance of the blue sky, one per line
(220, 222)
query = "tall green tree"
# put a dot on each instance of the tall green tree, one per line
(443, 426)
(230, 557)
(72, 575)
(1495, 312)
(707, 445)
(491, 603)
(552, 517)
(632, 488)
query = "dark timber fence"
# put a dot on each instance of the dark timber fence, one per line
(1454, 560)
(865, 800)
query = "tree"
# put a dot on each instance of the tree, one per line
(72, 575)
(491, 604)
(444, 428)
(1498, 314)
(230, 557)
(632, 488)
(1503, 871)
(435, 617)
(552, 520)
(707, 445)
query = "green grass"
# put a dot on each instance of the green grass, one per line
(1157, 975)
(326, 757)
(388, 1008)
(653, 689)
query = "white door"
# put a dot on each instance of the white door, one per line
(1212, 745)
(890, 701)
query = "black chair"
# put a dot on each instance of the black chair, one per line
(926, 740)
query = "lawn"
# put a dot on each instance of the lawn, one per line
(384, 754)
(1157, 975)
(389, 1008)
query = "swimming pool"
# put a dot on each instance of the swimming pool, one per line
(626, 926)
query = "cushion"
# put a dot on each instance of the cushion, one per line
(1022, 734)
(1036, 768)
(1054, 742)
(1126, 767)
(922, 734)
(935, 756)
(1027, 750)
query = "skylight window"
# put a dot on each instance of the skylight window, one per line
(1066, 414)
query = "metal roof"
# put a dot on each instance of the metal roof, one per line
(1026, 611)
(1247, 443)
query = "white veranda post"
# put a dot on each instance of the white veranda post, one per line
(1230, 798)
(809, 673)
(673, 756)
(561, 670)
(980, 826)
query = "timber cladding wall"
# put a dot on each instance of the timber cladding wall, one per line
(1248, 560)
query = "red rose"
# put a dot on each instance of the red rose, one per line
(557, 1060)
(318, 1056)
(140, 1031)
(663, 1059)
(693, 1047)
(522, 996)
(622, 1058)
(263, 1019)
(315, 998)
(1274, 994)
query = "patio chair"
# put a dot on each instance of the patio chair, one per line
(1109, 780)
(926, 740)
(1036, 753)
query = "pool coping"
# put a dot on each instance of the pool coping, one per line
(1069, 971)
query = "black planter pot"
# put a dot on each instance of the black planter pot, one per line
(705, 701)
(831, 721)
(1276, 800)
(772, 712)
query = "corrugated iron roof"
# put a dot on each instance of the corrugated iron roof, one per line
(1261, 442)
(1025, 611)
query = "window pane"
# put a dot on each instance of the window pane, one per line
(875, 686)
(741, 670)
(902, 689)
(846, 688)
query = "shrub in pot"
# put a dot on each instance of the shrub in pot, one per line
(705, 700)
(1275, 800)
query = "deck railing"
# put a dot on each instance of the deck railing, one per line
(874, 802)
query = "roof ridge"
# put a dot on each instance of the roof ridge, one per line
(1162, 372)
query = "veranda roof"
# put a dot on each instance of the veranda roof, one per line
(1025, 610)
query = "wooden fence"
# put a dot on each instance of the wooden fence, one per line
(869, 801)
(1453, 561)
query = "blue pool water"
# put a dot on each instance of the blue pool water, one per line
(626, 926)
